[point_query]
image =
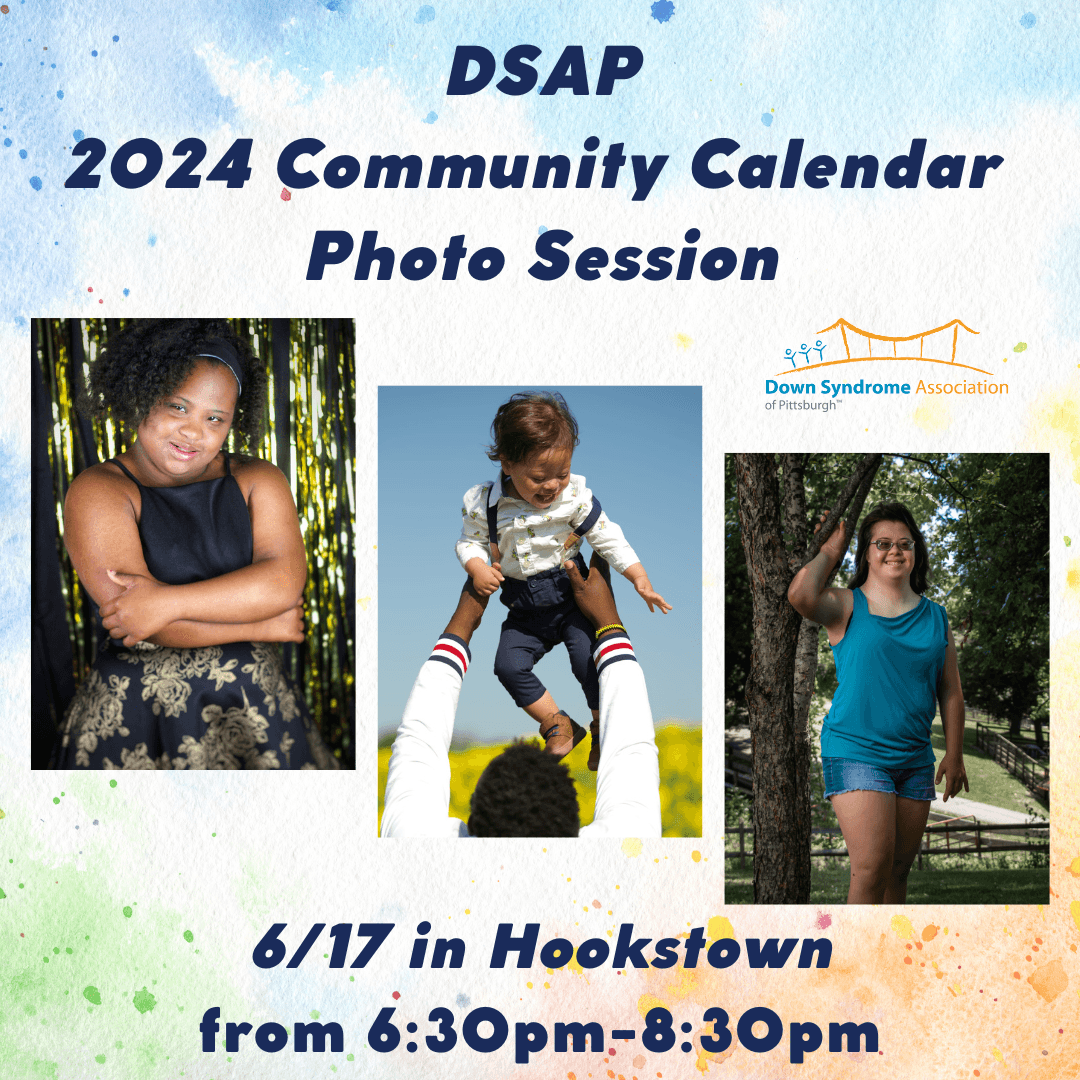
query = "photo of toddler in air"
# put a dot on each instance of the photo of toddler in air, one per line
(517, 532)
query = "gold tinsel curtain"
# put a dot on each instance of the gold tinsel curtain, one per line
(310, 436)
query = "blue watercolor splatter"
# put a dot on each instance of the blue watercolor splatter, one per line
(431, 118)
(116, 37)
(1027, 21)
(766, 119)
(77, 135)
(7, 142)
(127, 292)
(22, 154)
(151, 239)
(425, 14)
(93, 52)
(60, 94)
(35, 182)
(542, 230)
(662, 10)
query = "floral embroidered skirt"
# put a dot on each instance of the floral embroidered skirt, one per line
(221, 707)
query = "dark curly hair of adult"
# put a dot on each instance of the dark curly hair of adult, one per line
(530, 423)
(524, 792)
(898, 512)
(149, 358)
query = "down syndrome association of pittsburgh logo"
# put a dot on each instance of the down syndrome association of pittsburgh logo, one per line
(794, 388)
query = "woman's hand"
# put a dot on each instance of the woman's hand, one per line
(288, 626)
(834, 545)
(952, 768)
(140, 611)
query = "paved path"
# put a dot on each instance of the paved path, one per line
(990, 815)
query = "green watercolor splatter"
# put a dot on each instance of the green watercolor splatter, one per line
(348, 1057)
(189, 937)
(100, 1059)
(92, 994)
(112, 783)
(1068, 541)
(1020, 346)
(127, 913)
(56, 801)
(314, 1014)
(70, 952)
(3, 895)
(144, 1001)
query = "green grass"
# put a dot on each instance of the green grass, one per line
(990, 782)
(829, 884)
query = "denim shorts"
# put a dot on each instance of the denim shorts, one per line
(843, 775)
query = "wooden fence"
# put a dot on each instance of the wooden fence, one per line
(1034, 775)
(956, 837)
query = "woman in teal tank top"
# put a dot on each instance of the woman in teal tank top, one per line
(895, 663)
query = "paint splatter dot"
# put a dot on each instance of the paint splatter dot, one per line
(286, 194)
(60, 94)
(349, 1057)
(116, 37)
(100, 1059)
(425, 14)
(35, 182)
(127, 913)
(631, 848)
(112, 783)
(662, 10)
(766, 119)
(1068, 541)
(596, 903)
(431, 118)
(1020, 346)
(696, 856)
(92, 994)
(824, 920)
(540, 232)
(77, 135)
(4, 9)
(7, 142)
(151, 239)
(189, 937)
(1027, 21)
(93, 52)
(144, 1001)
(930, 932)
(22, 154)
(127, 292)
(56, 801)
(396, 995)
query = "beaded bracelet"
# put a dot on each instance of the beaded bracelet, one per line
(610, 626)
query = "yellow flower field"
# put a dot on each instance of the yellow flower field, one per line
(680, 778)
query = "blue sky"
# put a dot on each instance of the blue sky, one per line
(640, 452)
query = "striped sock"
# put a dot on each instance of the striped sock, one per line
(612, 648)
(450, 649)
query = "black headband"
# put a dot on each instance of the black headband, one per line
(222, 350)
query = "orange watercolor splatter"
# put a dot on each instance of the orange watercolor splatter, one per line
(1049, 980)
(929, 932)
(639, 1062)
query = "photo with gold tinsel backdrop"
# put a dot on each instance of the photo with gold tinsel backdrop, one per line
(309, 433)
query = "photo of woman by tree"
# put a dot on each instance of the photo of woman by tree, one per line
(835, 740)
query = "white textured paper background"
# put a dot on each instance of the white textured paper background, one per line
(103, 886)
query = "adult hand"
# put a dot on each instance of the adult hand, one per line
(834, 545)
(140, 611)
(592, 594)
(288, 626)
(952, 768)
(487, 579)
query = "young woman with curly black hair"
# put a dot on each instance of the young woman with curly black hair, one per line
(195, 559)
(896, 664)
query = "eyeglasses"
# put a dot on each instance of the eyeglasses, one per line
(887, 545)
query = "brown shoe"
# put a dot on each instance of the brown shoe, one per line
(594, 749)
(561, 735)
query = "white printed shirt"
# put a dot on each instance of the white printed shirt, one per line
(531, 540)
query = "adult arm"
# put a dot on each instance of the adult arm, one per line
(808, 595)
(628, 783)
(951, 703)
(417, 798)
(100, 532)
(256, 594)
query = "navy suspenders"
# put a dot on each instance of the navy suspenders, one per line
(493, 528)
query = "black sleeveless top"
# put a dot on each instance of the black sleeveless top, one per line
(195, 531)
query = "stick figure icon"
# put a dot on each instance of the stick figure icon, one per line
(805, 351)
(789, 354)
(820, 348)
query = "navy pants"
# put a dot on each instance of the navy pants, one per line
(534, 627)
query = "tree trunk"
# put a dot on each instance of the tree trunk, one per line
(779, 738)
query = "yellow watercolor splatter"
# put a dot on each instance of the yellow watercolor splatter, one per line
(647, 1002)
(2, 814)
(902, 927)
(708, 581)
(696, 856)
(1074, 911)
(1049, 980)
(1072, 575)
(683, 341)
(998, 1055)
(718, 927)
(363, 601)
(932, 416)
(575, 965)
(929, 932)
(631, 847)
(1074, 867)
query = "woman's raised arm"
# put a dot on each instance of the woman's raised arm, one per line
(808, 595)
